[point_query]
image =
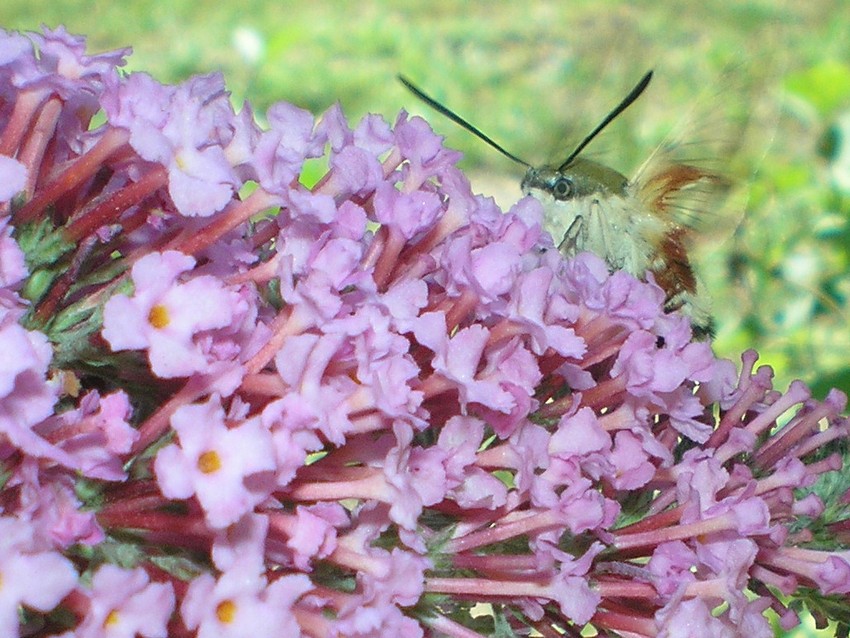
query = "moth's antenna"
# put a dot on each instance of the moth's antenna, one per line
(457, 119)
(622, 106)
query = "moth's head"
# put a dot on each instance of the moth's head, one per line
(580, 178)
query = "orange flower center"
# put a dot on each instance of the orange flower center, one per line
(226, 611)
(158, 316)
(209, 462)
(111, 619)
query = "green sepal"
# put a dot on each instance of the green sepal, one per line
(43, 246)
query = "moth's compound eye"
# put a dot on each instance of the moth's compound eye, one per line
(562, 188)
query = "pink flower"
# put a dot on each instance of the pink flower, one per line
(48, 502)
(312, 535)
(243, 604)
(458, 359)
(282, 150)
(409, 213)
(124, 604)
(173, 126)
(163, 315)
(13, 268)
(692, 618)
(12, 177)
(31, 574)
(95, 435)
(25, 395)
(217, 464)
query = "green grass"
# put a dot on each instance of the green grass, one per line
(536, 75)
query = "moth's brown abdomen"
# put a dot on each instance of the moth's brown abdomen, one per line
(672, 268)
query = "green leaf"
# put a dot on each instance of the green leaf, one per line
(42, 244)
(43, 247)
(178, 566)
(833, 608)
(825, 85)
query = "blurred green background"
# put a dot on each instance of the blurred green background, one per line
(535, 76)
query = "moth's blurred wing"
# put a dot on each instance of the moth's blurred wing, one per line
(698, 177)
(687, 197)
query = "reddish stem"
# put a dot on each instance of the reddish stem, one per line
(389, 256)
(156, 425)
(81, 169)
(110, 210)
(32, 154)
(530, 524)
(18, 123)
(193, 242)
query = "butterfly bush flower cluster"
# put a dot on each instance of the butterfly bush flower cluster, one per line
(233, 405)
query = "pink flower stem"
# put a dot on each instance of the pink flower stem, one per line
(626, 623)
(354, 560)
(461, 308)
(388, 258)
(83, 167)
(392, 162)
(622, 588)
(156, 425)
(374, 250)
(49, 304)
(265, 232)
(797, 393)
(313, 624)
(260, 274)
(604, 393)
(110, 210)
(263, 385)
(284, 325)
(194, 242)
(732, 417)
(131, 504)
(374, 486)
(781, 443)
(178, 528)
(529, 524)
(496, 565)
(447, 627)
(720, 523)
(484, 588)
(32, 154)
(19, 120)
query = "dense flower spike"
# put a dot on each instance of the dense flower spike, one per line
(233, 405)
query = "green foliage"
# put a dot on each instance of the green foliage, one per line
(826, 85)
(45, 248)
(822, 607)
(112, 551)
